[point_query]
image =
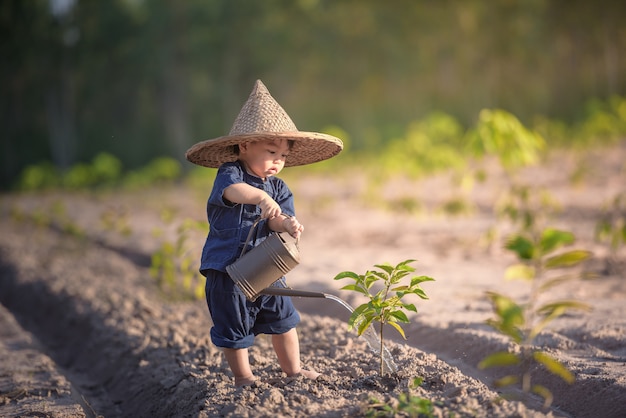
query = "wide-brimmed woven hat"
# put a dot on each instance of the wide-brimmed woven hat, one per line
(261, 117)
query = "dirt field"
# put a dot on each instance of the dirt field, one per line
(85, 330)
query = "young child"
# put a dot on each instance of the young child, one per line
(262, 141)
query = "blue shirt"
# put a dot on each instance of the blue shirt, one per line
(230, 222)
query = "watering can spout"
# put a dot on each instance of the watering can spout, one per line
(282, 291)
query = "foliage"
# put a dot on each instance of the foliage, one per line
(611, 229)
(104, 171)
(115, 218)
(431, 144)
(174, 266)
(603, 122)
(457, 206)
(522, 322)
(42, 176)
(385, 306)
(53, 215)
(140, 79)
(501, 134)
(162, 170)
(405, 204)
(407, 404)
(526, 207)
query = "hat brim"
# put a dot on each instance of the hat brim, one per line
(308, 148)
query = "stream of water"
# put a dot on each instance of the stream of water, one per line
(371, 338)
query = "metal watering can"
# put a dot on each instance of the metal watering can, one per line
(256, 270)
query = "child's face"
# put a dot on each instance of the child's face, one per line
(264, 158)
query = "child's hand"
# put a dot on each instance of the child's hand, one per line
(293, 227)
(269, 208)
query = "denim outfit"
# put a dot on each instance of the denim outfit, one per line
(236, 320)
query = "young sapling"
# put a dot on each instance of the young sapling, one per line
(384, 306)
(522, 321)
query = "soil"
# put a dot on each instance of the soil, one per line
(86, 331)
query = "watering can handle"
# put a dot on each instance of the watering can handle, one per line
(254, 225)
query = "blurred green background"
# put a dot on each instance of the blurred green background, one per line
(118, 84)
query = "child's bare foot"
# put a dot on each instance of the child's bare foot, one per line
(309, 374)
(244, 381)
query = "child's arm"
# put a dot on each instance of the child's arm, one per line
(245, 194)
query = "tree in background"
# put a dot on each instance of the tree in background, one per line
(141, 79)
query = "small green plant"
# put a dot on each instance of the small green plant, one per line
(501, 134)
(407, 404)
(523, 321)
(523, 207)
(104, 170)
(406, 204)
(174, 267)
(115, 218)
(53, 215)
(385, 306)
(429, 145)
(611, 230)
(456, 206)
(41, 176)
(160, 171)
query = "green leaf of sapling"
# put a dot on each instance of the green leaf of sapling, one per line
(498, 359)
(512, 331)
(521, 246)
(380, 275)
(568, 259)
(555, 281)
(404, 265)
(410, 307)
(398, 328)
(358, 312)
(355, 288)
(553, 310)
(400, 316)
(506, 308)
(419, 292)
(562, 306)
(347, 274)
(398, 276)
(364, 325)
(421, 279)
(506, 381)
(551, 239)
(386, 267)
(369, 279)
(519, 272)
(554, 366)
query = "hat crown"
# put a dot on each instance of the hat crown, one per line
(262, 118)
(261, 113)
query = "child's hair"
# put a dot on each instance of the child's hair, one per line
(290, 143)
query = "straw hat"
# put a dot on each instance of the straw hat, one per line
(261, 117)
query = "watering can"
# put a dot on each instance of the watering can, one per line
(256, 270)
